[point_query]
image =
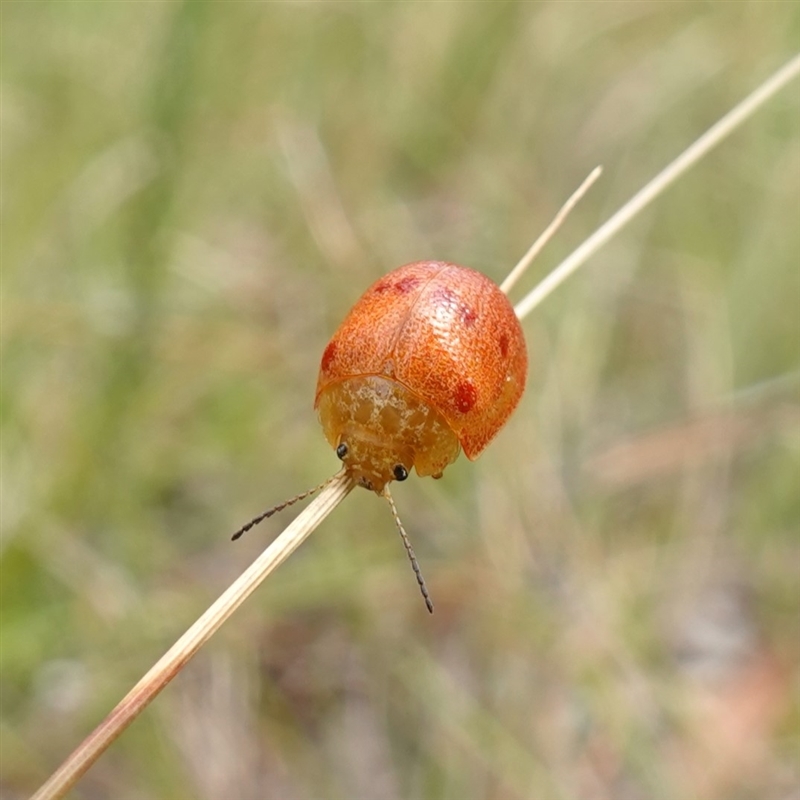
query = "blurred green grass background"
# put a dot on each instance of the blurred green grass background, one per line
(193, 196)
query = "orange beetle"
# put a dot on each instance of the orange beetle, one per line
(430, 360)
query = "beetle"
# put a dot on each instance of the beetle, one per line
(431, 360)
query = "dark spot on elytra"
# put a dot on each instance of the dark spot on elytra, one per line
(407, 284)
(468, 316)
(401, 286)
(466, 395)
(442, 296)
(328, 356)
(383, 285)
(503, 344)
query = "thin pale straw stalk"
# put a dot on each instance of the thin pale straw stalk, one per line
(67, 775)
(710, 139)
(547, 233)
(178, 655)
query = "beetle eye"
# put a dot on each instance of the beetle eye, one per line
(400, 473)
(341, 451)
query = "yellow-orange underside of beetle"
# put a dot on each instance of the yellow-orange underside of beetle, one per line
(429, 360)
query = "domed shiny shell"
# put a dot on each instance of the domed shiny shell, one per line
(448, 334)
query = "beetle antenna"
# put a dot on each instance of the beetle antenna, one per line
(275, 509)
(410, 550)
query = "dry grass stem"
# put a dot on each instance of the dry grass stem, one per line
(182, 651)
(710, 139)
(549, 231)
